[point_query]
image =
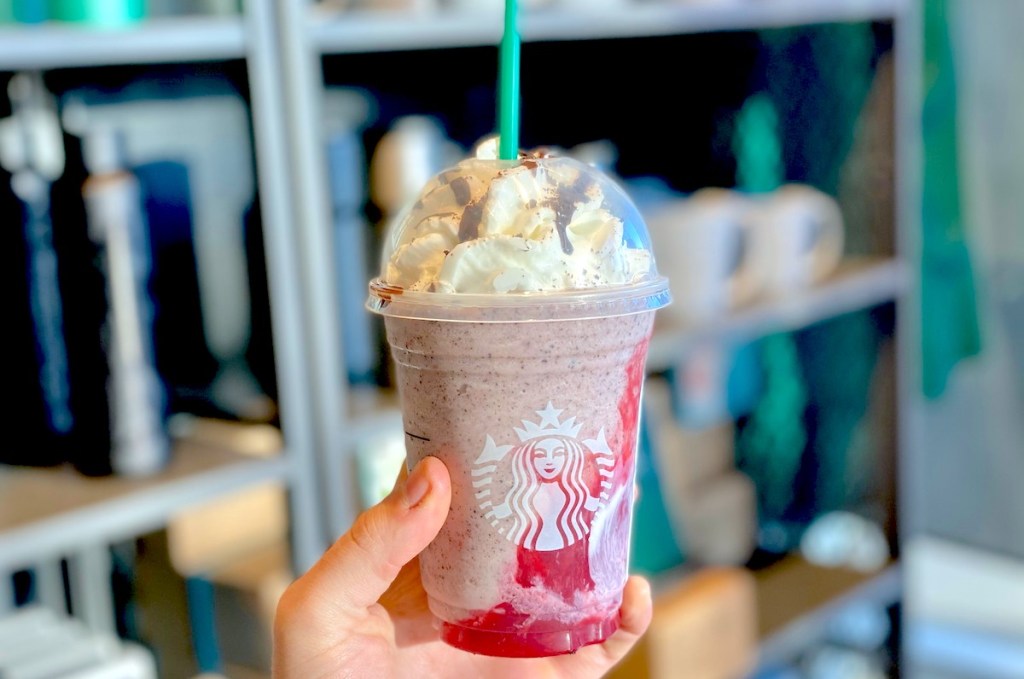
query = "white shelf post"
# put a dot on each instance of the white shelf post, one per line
(294, 373)
(6, 593)
(92, 594)
(303, 90)
(49, 585)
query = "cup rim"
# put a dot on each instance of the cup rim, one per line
(586, 303)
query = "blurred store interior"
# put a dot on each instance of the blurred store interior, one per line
(193, 194)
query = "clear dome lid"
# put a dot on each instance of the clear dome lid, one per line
(539, 237)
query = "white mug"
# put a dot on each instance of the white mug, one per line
(701, 244)
(796, 237)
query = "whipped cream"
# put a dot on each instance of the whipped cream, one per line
(539, 224)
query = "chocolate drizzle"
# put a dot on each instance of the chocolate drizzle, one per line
(472, 216)
(564, 204)
(461, 190)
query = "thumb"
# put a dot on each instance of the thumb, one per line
(360, 566)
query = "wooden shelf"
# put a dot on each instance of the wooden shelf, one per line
(796, 605)
(51, 512)
(170, 40)
(858, 284)
(791, 589)
(797, 600)
(340, 33)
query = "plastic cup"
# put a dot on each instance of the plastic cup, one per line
(531, 399)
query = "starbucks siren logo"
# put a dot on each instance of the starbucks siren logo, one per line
(549, 505)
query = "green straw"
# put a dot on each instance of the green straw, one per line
(508, 94)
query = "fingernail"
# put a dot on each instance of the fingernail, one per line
(417, 485)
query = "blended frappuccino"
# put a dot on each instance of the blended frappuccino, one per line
(519, 298)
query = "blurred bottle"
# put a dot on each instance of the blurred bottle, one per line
(45, 301)
(32, 310)
(62, 288)
(346, 113)
(182, 357)
(140, 444)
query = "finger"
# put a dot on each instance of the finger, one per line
(363, 563)
(634, 618)
(403, 474)
(405, 597)
(408, 608)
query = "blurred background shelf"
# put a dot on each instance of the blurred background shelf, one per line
(48, 512)
(728, 621)
(164, 40)
(858, 284)
(337, 33)
(843, 84)
(798, 601)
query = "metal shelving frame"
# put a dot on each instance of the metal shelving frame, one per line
(338, 33)
(177, 40)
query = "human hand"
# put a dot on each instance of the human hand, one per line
(361, 610)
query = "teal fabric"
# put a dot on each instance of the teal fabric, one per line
(770, 447)
(821, 79)
(949, 317)
(818, 80)
(771, 444)
(839, 359)
(757, 146)
(29, 11)
(744, 381)
(798, 443)
(98, 12)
